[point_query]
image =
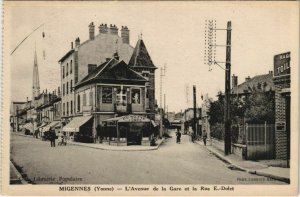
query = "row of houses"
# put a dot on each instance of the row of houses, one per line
(102, 79)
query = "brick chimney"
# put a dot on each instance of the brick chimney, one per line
(113, 29)
(234, 81)
(125, 34)
(103, 29)
(247, 78)
(271, 73)
(77, 42)
(92, 31)
(91, 68)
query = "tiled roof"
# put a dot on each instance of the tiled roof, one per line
(140, 56)
(112, 70)
(265, 82)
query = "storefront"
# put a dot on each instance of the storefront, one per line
(80, 129)
(129, 130)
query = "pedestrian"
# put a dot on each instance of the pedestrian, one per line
(204, 137)
(178, 136)
(52, 137)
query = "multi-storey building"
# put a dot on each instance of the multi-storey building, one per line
(75, 63)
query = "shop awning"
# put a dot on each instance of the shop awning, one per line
(53, 124)
(73, 125)
(28, 126)
(40, 128)
(129, 118)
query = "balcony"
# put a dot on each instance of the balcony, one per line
(123, 109)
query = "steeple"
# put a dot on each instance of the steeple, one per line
(35, 79)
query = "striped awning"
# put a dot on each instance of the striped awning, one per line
(76, 123)
(28, 126)
(53, 124)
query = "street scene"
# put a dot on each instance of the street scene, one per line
(99, 99)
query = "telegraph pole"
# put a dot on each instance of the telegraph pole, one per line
(209, 58)
(162, 74)
(195, 112)
(227, 119)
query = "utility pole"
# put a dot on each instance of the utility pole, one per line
(209, 58)
(195, 112)
(162, 74)
(227, 119)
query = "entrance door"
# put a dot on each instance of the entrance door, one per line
(134, 135)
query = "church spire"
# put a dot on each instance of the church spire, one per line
(35, 79)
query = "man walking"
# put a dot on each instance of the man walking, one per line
(204, 137)
(52, 137)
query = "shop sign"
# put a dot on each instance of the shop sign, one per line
(134, 118)
(280, 126)
(282, 64)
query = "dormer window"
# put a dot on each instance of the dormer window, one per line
(145, 74)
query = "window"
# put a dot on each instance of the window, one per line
(78, 102)
(67, 87)
(63, 89)
(71, 66)
(84, 99)
(71, 85)
(135, 96)
(63, 109)
(121, 99)
(67, 108)
(91, 98)
(106, 94)
(67, 69)
(71, 108)
(63, 72)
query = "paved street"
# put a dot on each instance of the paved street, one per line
(185, 163)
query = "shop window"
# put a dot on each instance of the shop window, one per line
(135, 96)
(106, 94)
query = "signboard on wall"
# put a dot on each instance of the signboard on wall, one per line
(282, 64)
(280, 126)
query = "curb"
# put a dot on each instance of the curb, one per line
(23, 181)
(279, 178)
(104, 148)
(109, 149)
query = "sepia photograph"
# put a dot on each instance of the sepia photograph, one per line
(150, 98)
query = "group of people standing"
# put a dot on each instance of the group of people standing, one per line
(193, 136)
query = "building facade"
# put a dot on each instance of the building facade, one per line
(282, 81)
(75, 63)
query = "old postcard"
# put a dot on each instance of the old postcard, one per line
(150, 98)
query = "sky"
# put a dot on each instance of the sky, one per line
(173, 33)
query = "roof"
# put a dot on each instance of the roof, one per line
(112, 70)
(264, 82)
(140, 56)
(66, 55)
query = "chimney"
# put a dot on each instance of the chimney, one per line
(125, 34)
(113, 30)
(271, 73)
(27, 99)
(91, 68)
(58, 91)
(92, 31)
(46, 91)
(71, 45)
(103, 29)
(234, 81)
(247, 78)
(77, 42)
(116, 55)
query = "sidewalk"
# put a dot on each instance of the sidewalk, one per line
(252, 167)
(108, 147)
